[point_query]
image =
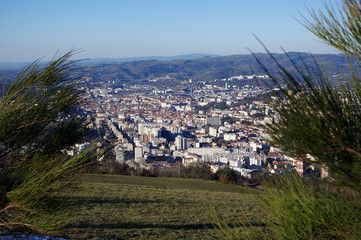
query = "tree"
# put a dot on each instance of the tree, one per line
(39, 120)
(339, 29)
(317, 116)
(226, 175)
(318, 120)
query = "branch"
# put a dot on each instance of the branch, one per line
(348, 149)
(345, 148)
(9, 207)
(21, 224)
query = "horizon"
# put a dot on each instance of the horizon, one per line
(167, 58)
(130, 29)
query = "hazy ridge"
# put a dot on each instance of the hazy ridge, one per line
(198, 67)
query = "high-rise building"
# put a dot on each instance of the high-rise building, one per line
(119, 154)
(138, 154)
(180, 142)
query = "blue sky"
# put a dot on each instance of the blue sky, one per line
(30, 29)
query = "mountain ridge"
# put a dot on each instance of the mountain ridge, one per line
(205, 68)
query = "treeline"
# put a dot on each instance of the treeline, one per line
(193, 171)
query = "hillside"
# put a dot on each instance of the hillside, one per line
(207, 68)
(197, 69)
(126, 207)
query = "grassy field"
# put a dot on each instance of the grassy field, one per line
(126, 207)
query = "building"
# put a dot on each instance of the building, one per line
(180, 142)
(138, 154)
(214, 121)
(229, 137)
(213, 132)
(324, 171)
(119, 154)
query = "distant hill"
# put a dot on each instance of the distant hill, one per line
(12, 65)
(198, 67)
(208, 68)
(93, 61)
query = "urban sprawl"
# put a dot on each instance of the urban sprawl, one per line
(159, 129)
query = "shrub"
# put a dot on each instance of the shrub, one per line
(38, 121)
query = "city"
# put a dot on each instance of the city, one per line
(158, 129)
(180, 119)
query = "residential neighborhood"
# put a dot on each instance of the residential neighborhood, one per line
(160, 129)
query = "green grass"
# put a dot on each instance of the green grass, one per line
(125, 207)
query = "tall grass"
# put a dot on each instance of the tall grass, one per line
(303, 210)
(299, 209)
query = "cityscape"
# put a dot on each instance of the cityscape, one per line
(158, 130)
(162, 120)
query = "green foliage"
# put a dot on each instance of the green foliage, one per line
(38, 121)
(317, 116)
(196, 171)
(293, 208)
(341, 28)
(226, 175)
(247, 226)
(319, 121)
(320, 118)
(300, 210)
(33, 101)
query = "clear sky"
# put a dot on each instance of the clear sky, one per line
(30, 29)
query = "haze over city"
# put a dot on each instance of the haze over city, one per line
(118, 29)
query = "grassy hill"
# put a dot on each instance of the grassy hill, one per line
(126, 207)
